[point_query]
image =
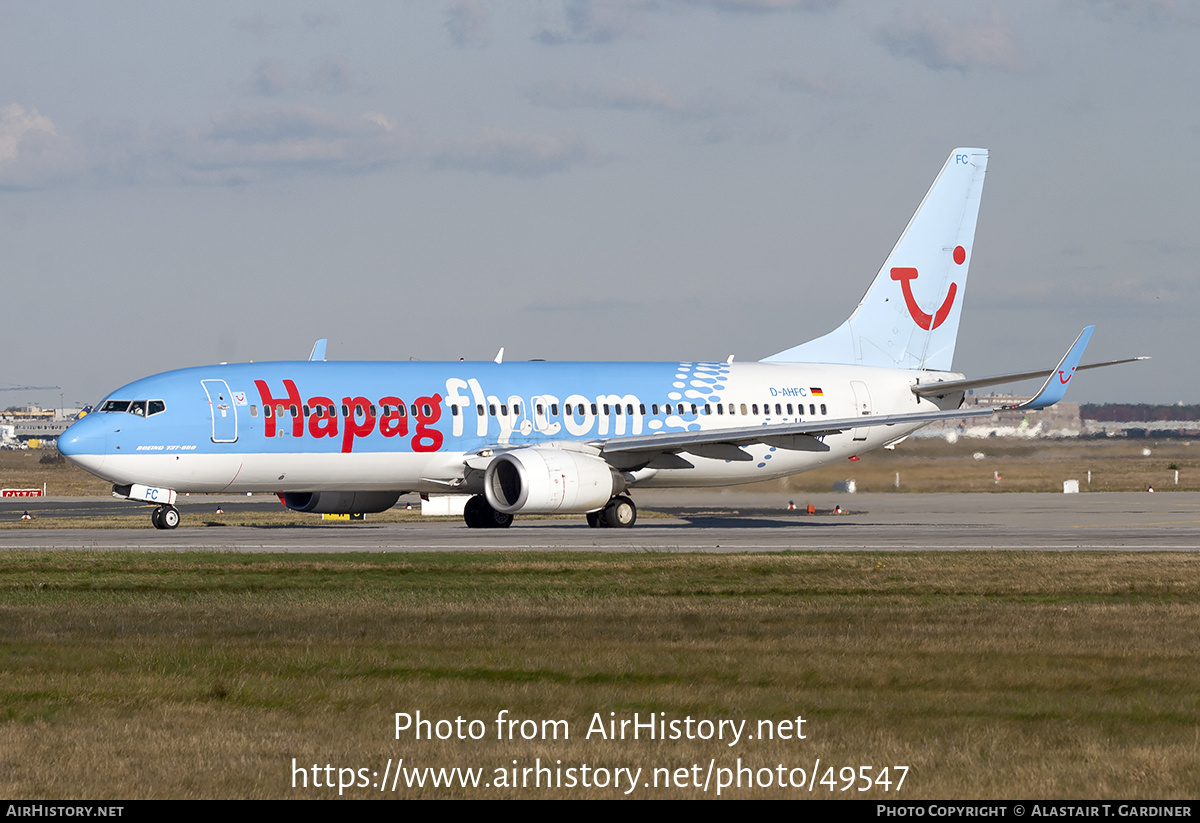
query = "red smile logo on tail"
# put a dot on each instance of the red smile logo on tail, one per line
(927, 321)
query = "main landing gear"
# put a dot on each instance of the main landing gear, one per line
(620, 513)
(165, 517)
(479, 514)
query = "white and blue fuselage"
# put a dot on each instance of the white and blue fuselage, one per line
(326, 426)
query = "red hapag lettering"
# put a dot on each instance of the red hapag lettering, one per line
(353, 428)
(293, 399)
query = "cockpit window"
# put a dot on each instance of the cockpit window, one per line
(140, 408)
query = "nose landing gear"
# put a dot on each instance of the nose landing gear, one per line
(165, 517)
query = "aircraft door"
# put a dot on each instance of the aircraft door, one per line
(224, 413)
(862, 406)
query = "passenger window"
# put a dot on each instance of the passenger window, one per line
(516, 409)
(345, 410)
(789, 407)
(504, 410)
(540, 408)
(812, 409)
(720, 408)
(606, 408)
(822, 408)
(428, 412)
(267, 411)
(254, 411)
(654, 408)
(332, 411)
(295, 411)
(693, 408)
(754, 408)
(744, 409)
(306, 410)
(707, 408)
(478, 409)
(492, 409)
(453, 410)
(554, 410)
(593, 410)
(641, 408)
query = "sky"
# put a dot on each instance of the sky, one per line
(188, 183)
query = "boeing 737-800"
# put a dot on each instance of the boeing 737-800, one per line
(542, 437)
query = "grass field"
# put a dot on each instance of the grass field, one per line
(987, 674)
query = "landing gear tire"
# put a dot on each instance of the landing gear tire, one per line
(595, 520)
(479, 514)
(620, 513)
(165, 517)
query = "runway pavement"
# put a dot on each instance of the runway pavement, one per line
(730, 521)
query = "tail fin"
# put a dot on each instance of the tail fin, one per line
(908, 318)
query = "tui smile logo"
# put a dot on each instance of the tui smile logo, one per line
(926, 321)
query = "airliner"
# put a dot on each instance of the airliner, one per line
(544, 437)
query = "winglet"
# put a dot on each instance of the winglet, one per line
(318, 350)
(1056, 384)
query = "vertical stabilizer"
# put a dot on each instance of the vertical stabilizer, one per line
(908, 318)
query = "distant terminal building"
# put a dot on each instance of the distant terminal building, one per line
(1060, 420)
(1070, 420)
(32, 423)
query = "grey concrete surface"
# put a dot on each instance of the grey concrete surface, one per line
(718, 521)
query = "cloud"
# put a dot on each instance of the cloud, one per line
(320, 20)
(331, 74)
(603, 21)
(800, 81)
(270, 78)
(938, 42)
(258, 26)
(515, 153)
(765, 5)
(622, 95)
(245, 144)
(33, 152)
(1142, 12)
(468, 24)
(249, 143)
(597, 21)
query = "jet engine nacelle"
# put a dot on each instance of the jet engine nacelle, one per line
(340, 502)
(542, 481)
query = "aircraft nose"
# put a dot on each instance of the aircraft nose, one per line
(85, 442)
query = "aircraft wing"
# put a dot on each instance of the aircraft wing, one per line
(951, 386)
(799, 435)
